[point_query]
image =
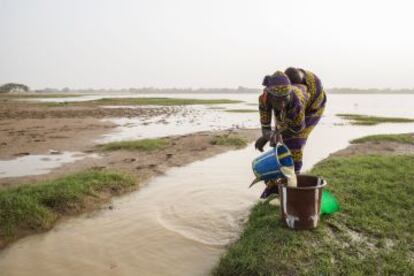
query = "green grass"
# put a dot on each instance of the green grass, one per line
(229, 140)
(36, 208)
(138, 145)
(372, 120)
(376, 194)
(399, 138)
(242, 111)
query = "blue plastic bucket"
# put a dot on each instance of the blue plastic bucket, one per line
(267, 166)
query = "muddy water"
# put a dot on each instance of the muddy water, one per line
(180, 223)
(176, 225)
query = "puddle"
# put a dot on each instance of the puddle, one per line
(38, 164)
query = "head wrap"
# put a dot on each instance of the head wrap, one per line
(278, 84)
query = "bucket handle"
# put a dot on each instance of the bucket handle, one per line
(278, 144)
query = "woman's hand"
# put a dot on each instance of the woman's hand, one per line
(260, 143)
(275, 139)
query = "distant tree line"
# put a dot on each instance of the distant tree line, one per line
(13, 87)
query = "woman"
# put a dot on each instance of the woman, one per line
(297, 100)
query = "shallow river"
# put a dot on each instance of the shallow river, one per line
(180, 223)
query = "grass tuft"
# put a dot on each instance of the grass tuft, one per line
(399, 138)
(138, 145)
(372, 120)
(229, 140)
(373, 233)
(36, 208)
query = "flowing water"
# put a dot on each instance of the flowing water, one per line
(179, 223)
(290, 174)
(176, 225)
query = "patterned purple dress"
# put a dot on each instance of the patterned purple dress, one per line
(303, 114)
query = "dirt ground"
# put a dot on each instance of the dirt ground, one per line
(13, 109)
(376, 148)
(183, 150)
(31, 129)
(19, 137)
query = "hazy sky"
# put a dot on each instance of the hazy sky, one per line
(211, 43)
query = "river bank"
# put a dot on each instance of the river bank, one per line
(372, 234)
(139, 164)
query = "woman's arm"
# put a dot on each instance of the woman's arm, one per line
(265, 115)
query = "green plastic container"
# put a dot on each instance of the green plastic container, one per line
(329, 204)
